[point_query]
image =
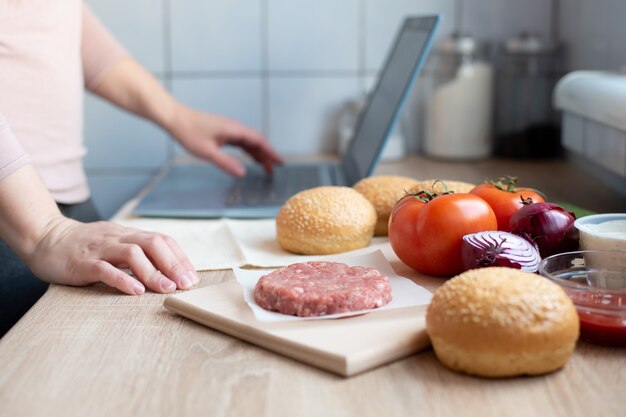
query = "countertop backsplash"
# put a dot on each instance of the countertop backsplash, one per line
(287, 67)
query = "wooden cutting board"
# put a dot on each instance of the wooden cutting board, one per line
(344, 346)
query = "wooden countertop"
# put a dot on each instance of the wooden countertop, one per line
(93, 352)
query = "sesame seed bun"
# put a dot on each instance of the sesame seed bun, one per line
(436, 186)
(325, 220)
(384, 191)
(501, 322)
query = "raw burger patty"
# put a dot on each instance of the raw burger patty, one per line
(319, 288)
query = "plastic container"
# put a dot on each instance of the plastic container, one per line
(602, 231)
(594, 123)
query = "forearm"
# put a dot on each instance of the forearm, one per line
(64, 251)
(130, 86)
(27, 211)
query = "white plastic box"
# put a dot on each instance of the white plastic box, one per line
(594, 122)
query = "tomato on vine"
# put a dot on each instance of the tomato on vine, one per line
(426, 231)
(505, 198)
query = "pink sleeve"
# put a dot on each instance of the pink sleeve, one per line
(99, 49)
(12, 156)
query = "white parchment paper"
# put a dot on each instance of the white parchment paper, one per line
(405, 292)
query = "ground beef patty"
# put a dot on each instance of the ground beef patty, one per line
(313, 289)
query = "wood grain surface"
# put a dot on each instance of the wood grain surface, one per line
(93, 352)
(345, 346)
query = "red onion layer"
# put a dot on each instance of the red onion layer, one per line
(498, 248)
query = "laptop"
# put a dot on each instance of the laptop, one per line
(204, 191)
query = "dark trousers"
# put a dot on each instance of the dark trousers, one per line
(19, 288)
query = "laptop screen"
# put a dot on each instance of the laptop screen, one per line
(383, 106)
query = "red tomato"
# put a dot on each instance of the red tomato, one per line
(427, 236)
(505, 199)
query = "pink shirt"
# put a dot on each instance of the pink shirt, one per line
(49, 51)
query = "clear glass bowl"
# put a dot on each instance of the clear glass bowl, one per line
(596, 283)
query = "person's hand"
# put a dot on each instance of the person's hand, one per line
(74, 253)
(204, 134)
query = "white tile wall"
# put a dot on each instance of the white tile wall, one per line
(594, 33)
(569, 27)
(286, 67)
(306, 35)
(616, 34)
(591, 40)
(116, 139)
(216, 35)
(383, 18)
(304, 112)
(138, 25)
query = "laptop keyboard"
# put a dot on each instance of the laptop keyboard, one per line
(257, 188)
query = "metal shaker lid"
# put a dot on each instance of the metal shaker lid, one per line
(529, 43)
(459, 43)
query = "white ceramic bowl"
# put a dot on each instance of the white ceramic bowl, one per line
(602, 231)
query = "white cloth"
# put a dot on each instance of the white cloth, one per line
(228, 243)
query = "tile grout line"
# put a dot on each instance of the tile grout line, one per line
(362, 50)
(265, 73)
(167, 58)
(265, 87)
(122, 171)
(458, 16)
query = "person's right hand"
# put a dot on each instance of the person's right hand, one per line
(74, 253)
(205, 134)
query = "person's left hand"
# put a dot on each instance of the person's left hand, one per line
(72, 253)
(203, 134)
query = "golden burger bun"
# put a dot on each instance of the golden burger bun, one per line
(501, 322)
(384, 191)
(325, 220)
(436, 186)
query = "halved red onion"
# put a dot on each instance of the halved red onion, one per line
(498, 248)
